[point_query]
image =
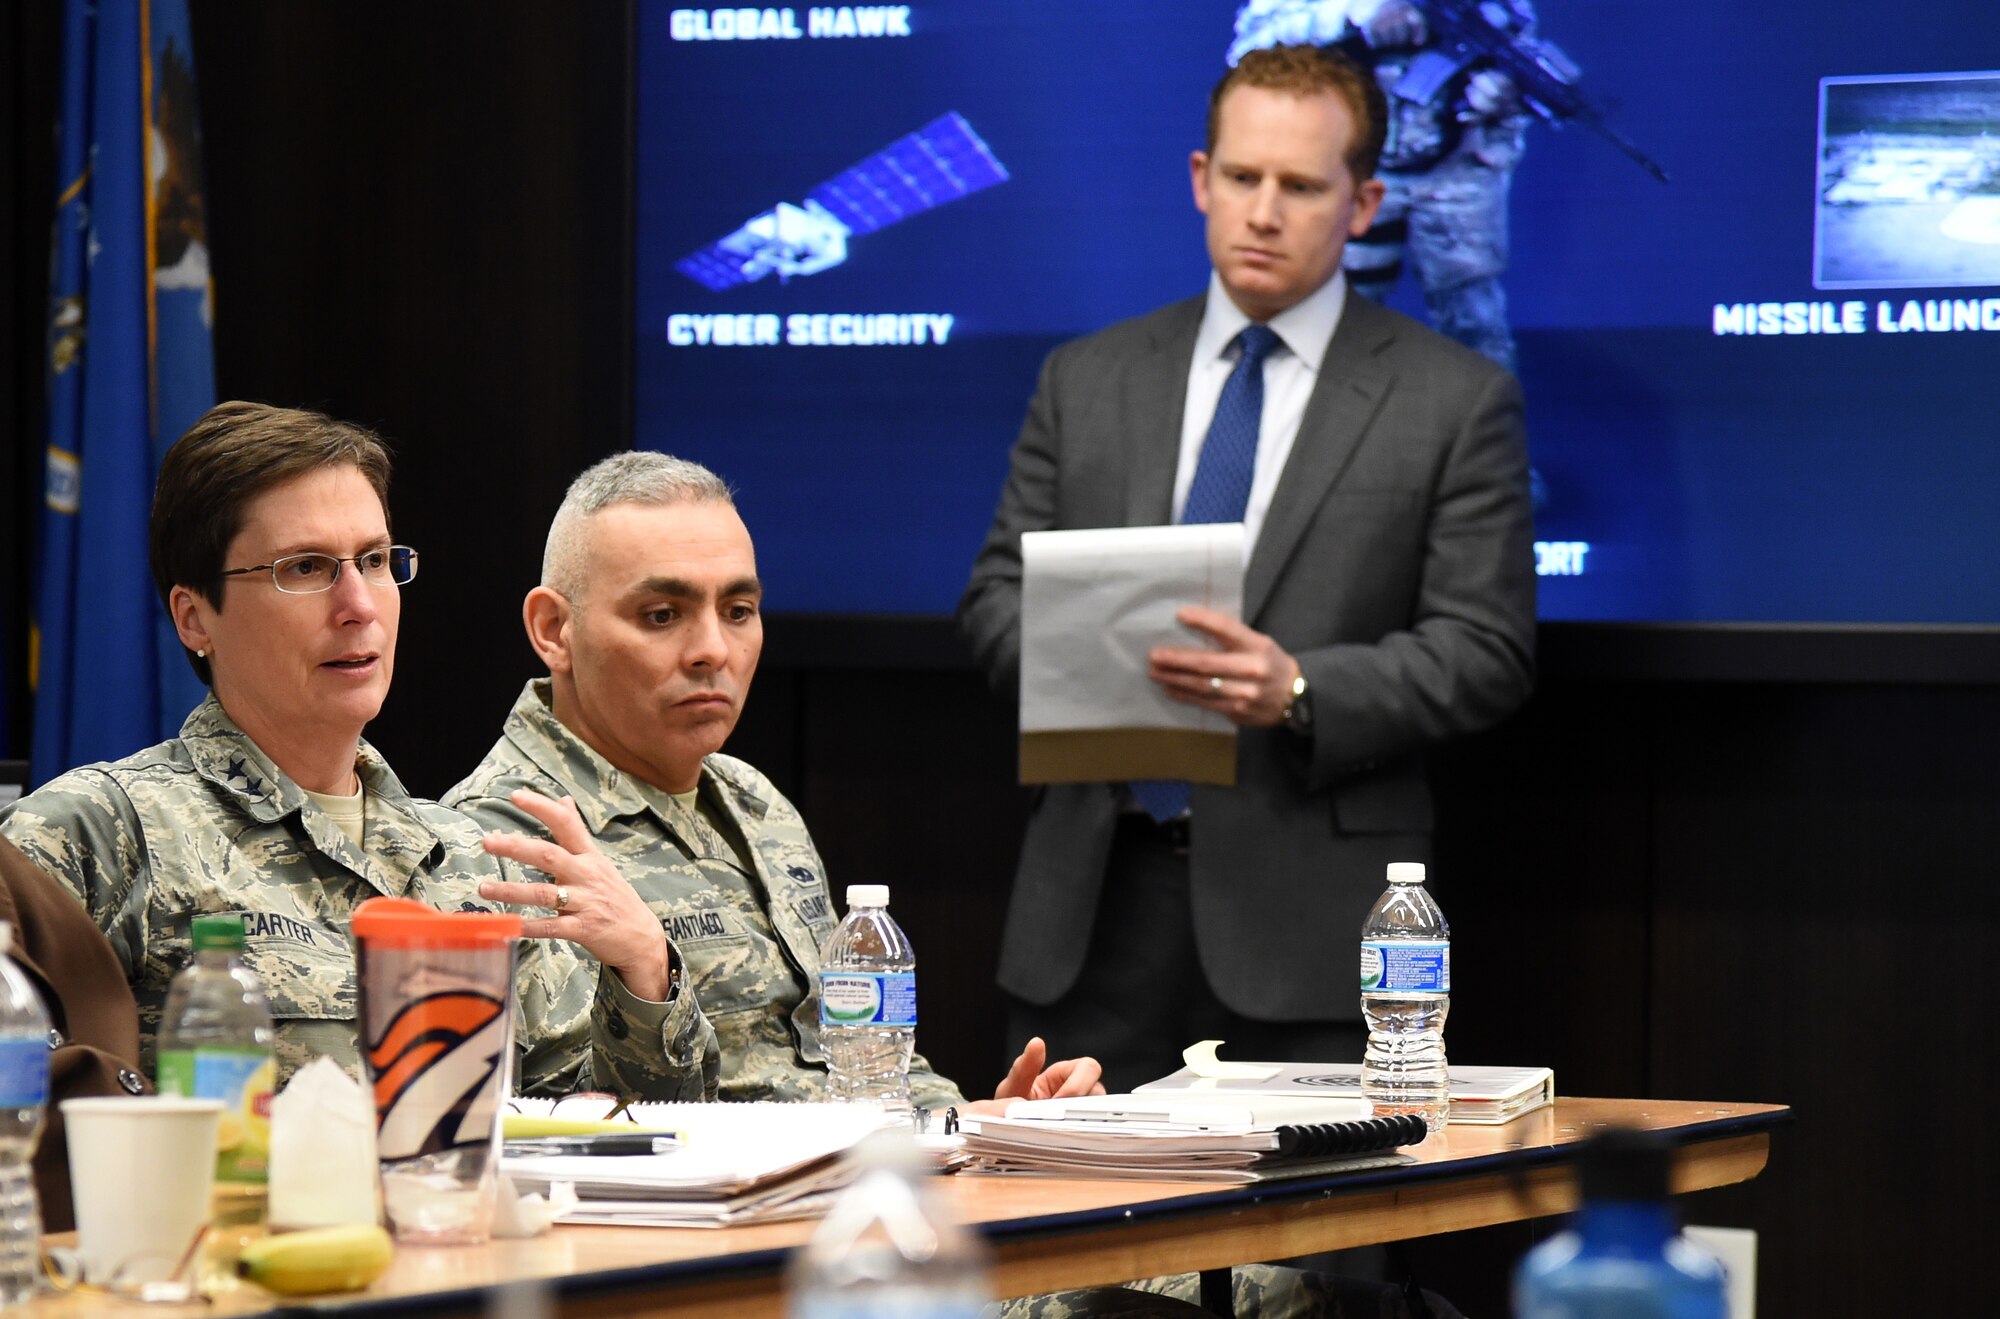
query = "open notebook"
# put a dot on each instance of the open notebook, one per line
(735, 1163)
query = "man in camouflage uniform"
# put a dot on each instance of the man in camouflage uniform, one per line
(647, 617)
(732, 875)
(269, 804)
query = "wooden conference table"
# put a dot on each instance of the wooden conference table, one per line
(1047, 1234)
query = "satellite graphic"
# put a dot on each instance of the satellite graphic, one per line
(939, 163)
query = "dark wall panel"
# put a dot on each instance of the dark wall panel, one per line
(1828, 900)
(908, 781)
(418, 224)
(30, 34)
(1543, 870)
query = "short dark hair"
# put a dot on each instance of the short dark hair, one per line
(236, 452)
(1306, 71)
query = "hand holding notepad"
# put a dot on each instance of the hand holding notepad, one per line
(1093, 605)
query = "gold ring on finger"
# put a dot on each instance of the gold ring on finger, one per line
(562, 897)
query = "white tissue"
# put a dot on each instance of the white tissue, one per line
(323, 1169)
(517, 1215)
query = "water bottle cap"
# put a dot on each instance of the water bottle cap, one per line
(218, 931)
(1406, 872)
(867, 895)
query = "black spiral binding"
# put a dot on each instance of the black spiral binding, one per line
(1324, 1140)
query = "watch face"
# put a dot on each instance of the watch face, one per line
(1299, 714)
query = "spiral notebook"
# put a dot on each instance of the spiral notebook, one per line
(1223, 1138)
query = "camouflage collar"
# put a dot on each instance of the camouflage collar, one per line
(738, 783)
(224, 754)
(603, 792)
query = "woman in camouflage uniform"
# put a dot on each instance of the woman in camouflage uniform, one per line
(271, 551)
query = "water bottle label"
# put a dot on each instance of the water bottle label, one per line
(24, 1072)
(242, 1079)
(865, 998)
(899, 1303)
(1408, 968)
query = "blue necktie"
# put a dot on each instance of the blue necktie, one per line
(1219, 493)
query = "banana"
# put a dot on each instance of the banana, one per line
(319, 1259)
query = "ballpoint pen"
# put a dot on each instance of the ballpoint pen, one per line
(610, 1144)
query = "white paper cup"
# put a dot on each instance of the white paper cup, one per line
(142, 1170)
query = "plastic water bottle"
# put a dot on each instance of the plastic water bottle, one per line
(24, 1095)
(886, 1251)
(1405, 993)
(215, 1043)
(868, 1003)
(1622, 1256)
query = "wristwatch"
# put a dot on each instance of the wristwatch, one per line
(1298, 712)
(673, 970)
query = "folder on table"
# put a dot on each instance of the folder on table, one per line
(1480, 1096)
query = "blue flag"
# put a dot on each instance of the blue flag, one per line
(130, 368)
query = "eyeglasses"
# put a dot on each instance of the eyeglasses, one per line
(309, 574)
(146, 1277)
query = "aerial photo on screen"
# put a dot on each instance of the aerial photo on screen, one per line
(1909, 181)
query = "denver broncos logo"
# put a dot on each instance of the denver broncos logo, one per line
(436, 1066)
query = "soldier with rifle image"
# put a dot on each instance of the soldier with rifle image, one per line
(1463, 79)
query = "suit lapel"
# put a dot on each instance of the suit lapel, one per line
(1155, 398)
(1353, 380)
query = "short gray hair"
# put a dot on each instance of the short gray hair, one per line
(638, 476)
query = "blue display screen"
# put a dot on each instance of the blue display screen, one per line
(1761, 391)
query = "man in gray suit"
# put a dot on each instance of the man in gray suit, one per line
(1382, 475)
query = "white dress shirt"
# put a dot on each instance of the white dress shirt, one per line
(1289, 375)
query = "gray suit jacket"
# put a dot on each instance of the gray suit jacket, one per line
(1395, 563)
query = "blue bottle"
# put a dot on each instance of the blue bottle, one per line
(1623, 1256)
(24, 1095)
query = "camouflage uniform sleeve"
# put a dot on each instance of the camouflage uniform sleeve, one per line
(80, 830)
(574, 1037)
(499, 815)
(656, 1051)
(583, 1034)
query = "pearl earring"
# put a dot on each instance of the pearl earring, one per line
(201, 654)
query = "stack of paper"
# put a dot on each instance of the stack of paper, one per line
(1094, 603)
(735, 1163)
(1480, 1096)
(1224, 1138)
